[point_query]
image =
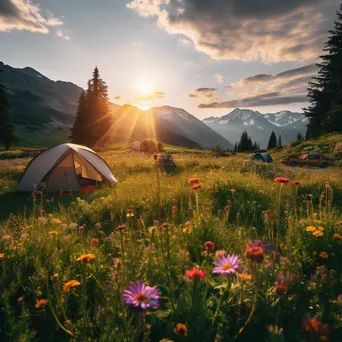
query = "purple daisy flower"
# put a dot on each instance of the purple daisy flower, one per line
(141, 297)
(226, 264)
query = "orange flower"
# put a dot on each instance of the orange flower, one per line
(193, 180)
(41, 302)
(321, 229)
(310, 228)
(280, 289)
(181, 330)
(2, 255)
(86, 257)
(317, 233)
(70, 284)
(337, 236)
(195, 272)
(324, 255)
(244, 276)
(314, 330)
(255, 254)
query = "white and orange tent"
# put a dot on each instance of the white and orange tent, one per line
(66, 168)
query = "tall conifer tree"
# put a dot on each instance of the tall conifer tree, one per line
(272, 143)
(6, 127)
(325, 91)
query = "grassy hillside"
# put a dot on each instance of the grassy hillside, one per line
(66, 262)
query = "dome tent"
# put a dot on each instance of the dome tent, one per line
(66, 168)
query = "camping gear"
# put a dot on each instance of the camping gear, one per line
(165, 160)
(66, 168)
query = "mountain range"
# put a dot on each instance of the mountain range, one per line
(258, 126)
(44, 110)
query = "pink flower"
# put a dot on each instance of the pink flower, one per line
(197, 187)
(95, 241)
(42, 219)
(209, 246)
(193, 180)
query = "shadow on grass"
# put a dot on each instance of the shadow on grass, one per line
(14, 203)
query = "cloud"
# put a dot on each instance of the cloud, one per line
(219, 78)
(267, 30)
(283, 88)
(184, 41)
(203, 93)
(60, 34)
(24, 15)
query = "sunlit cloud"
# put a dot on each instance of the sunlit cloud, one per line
(268, 30)
(116, 98)
(219, 78)
(60, 34)
(24, 15)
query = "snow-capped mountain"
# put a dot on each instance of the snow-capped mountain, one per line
(185, 124)
(258, 126)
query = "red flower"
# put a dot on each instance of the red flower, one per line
(281, 289)
(296, 183)
(255, 254)
(195, 272)
(37, 193)
(209, 246)
(314, 330)
(193, 180)
(281, 180)
(95, 241)
(197, 187)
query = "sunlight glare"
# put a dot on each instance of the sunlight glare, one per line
(145, 87)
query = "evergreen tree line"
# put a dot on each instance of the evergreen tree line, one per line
(93, 119)
(325, 90)
(245, 144)
(6, 127)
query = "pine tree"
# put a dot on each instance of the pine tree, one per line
(6, 128)
(279, 141)
(325, 91)
(235, 147)
(300, 137)
(93, 120)
(272, 143)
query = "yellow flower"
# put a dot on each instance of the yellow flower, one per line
(53, 232)
(2, 255)
(323, 255)
(86, 257)
(317, 221)
(310, 228)
(41, 302)
(151, 229)
(317, 233)
(70, 284)
(244, 276)
(55, 220)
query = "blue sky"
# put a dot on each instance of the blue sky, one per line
(155, 52)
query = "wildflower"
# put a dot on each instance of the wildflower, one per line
(70, 284)
(209, 246)
(280, 289)
(42, 219)
(274, 330)
(41, 302)
(151, 229)
(94, 241)
(296, 183)
(317, 233)
(197, 187)
(310, 228)
(324, 255)
(64, 225)
(195, 272)
(337, 236)
(181, 330)
(141, 297)
(98, 225)
(165, 225)
(282, 180)
(2, 255)
(55, 220)
(321, 229)
(175, 200)
(314, 330)
(244, 276)
(86, 257)
(226, 264)
(37, 193)
(53, 233)
(193, 180)
(220, 253)
(73, 225)
(255, 254)
(121, 227)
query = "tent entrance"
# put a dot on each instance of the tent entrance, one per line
(71, 174)
(85, 172)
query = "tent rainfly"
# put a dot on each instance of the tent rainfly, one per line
(66, 168)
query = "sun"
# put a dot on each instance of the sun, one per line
(145, 87)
